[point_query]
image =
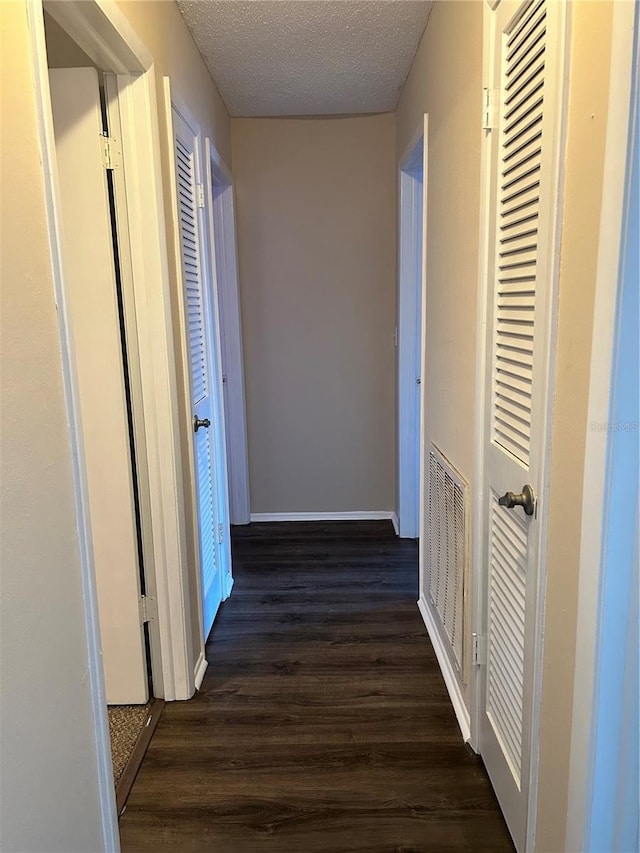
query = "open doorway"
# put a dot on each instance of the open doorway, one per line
(409, 331)
(87, 133)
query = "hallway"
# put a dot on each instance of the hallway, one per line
(323, 723)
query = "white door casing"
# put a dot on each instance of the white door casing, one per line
(411, 277)
(218, 288)
(93, 306)
(222, 240)
(525, 70)
(204, 379)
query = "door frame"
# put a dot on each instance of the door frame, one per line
(224, 274)
(171, 103)
(479, 577)
(105, 35)
(412, 235)
(593, 621)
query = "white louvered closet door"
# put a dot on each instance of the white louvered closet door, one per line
(523, 143)
(190, 207)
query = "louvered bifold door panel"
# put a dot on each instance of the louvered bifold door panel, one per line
(506, 635)
(191, 268)
(208, 556)
(194, 281)
(521, 115)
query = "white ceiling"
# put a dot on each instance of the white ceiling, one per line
(307, 57)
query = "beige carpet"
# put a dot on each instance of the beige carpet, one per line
(125, 724)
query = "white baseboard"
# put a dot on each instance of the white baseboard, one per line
(201, 668)
(365, 515)
(396, 522)
(228, 586)
(448, 673)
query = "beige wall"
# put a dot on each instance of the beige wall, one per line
(589, 73)
(446, 84)
(160, 26)
(48, 794)
(316, 205)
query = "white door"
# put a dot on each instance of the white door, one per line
(523, 198)
(412, 280)
(217, 269)
(199, 332)
(222, 240)
(90, 287)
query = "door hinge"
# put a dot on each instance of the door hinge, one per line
(147, 611)
(200, 191)
(221, 533)
(111, 153)
(489, 109)
(479, 649)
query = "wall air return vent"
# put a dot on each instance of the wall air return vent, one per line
(447, 548)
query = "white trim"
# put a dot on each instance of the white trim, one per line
(478, 604)
(141, 151)
(227, 586)
(422, 507)
(595, 482)
(448, 673)
(222, 221)
(200, 670)
(411, 292)
(556, 210)
(364, 515)
(211, 167)
(95, 674)
(189, 478)
(101, 30)
(395, 522)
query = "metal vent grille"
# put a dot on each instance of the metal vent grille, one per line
(447, 552)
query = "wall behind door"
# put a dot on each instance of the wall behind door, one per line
(446, 83)
(316, 207)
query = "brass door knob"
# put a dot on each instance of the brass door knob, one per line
(526, 499)
(200, 422)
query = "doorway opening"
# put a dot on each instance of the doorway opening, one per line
(101, 48)
(409, 332)
(86, 129)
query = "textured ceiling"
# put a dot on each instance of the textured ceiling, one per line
(309, 57)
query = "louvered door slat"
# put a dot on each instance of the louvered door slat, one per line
(191, 268)
(524, 26)
(517, 235)
(197, 319)
(206, 509)
(507, 596)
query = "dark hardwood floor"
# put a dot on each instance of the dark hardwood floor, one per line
(323, 723)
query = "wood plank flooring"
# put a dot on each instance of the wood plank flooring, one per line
(323, 724)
